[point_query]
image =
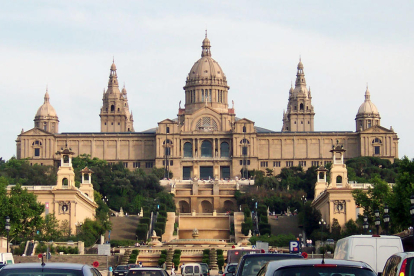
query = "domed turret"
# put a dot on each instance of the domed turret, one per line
(206, 83)
(46, 117)
(368, 114)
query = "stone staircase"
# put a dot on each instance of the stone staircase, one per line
(169, 227)
(123, 228)
(104, 261)
(125, 257)
(148, 260)
(284, 225)
(238, 220)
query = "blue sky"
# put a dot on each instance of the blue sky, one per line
(69, 45)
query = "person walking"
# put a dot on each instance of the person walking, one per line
(181, 268)
(172, 269)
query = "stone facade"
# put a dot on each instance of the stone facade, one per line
(207, 140)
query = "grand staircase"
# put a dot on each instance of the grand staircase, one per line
(123, 228)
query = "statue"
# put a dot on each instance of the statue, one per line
(179, 105)
(195, 231)
(250, 233)
(154, 234)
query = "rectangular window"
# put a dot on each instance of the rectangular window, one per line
(289, 163)
(149, 165)
(302, 163)
(263, 164)
(126, 164)
(168, 151)
(241, 162)
(377, 149)
(168, 130)
(326, 162)
(276, 163)
(136, 164)
(37, 152)
(171, 162)
(315, 163)
(244, 151)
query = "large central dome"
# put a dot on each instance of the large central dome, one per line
(206, 68)
(206, 83)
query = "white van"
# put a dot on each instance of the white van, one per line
(192, 269)
(6, 258)
(373, 250)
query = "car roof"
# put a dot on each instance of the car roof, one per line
(274, 265)
(260, 255)
(404, 254)
(72, 266)
(192, 264)
(147, 268)
(233, 264)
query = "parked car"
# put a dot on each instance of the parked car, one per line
(230, 268)
(316, 267)
(399, 263)
(250, 264)
(147, 271)
(121, 270)
(42, 269)
(374, 250)
(205, 269)
(192, 269)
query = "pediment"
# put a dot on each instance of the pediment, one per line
(35, 132)
(376, 129)
(167, 121)
(206, 110)
(244, 121)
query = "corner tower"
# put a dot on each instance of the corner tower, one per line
(206, 84)
(300, 114)
(115, 115)
(46, 117)
(368, 115)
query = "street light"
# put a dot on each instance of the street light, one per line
(105, 200)
(365, 225)
(412, 214)
(386, 218)
(8, 231)
(377, 220)
(303, 198)
(322, 223)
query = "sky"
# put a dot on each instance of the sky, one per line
(68, 48)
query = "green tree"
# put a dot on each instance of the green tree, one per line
(50, 228)
(335, 230)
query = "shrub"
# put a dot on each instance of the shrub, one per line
(177, 251)
(206, 252)
(158, 231)
(162, 213)
(162, 219)
(206, 260)
(116, 243)
(135, 251)
(144, 221)
(247, 212)
(220, 261)
(160, 225)
(161, 261)
(142, 231)
(219, 252)
(263, 218)
(164, 252)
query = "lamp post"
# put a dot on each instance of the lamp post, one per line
(322, 223)
(377, 220)
(105, 200)
(386, 218)
(412, 214)
(365, 225)
(303, 198)
(7, 227)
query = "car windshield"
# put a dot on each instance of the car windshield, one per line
(231, 268)
(121, 267)
(145, 273)
(252, 265)
(323, 271)
(204, 269)
(39, 272)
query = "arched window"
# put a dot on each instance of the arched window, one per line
(244, 141)
(339, 179)
(65, 158)
(65, 182)
(244, 128)
(206, 149)
(188, 149)
(377, 140)
(301, 106)
(224, 149)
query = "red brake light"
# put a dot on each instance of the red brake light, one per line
(236, 253)
(262, 251)
(325, 265)
(403, 266)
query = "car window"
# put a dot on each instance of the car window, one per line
(231, 268)
(323, 271)
(196, 269)
(251, 266)
(391, 266)
(18, 271)
(188, 269)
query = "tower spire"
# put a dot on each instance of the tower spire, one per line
(206, 47)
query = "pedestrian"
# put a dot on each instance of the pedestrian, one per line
(182, 267)
(172, 270)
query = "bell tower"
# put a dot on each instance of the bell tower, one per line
(115, 115)
(300, 114)
(339, 173)
(65, 174)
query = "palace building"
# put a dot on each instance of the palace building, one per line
(207, 140)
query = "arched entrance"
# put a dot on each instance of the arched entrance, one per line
(184, 207)
(206, 207)
(229, 206)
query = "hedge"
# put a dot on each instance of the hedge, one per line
(144, 221)
(142, 231)
(160, 225)
(116, 243)
(162, 219)
(158, 231)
